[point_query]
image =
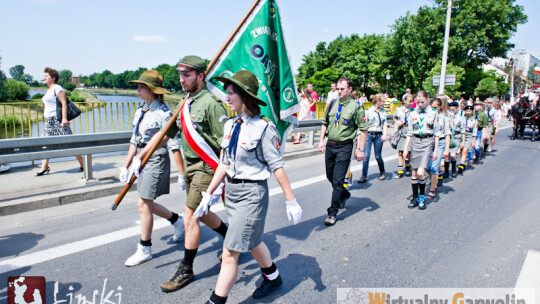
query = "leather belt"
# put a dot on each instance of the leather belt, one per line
(374, 133)
(241, 181)
(423, 136)
(337, 143)
(140, 146)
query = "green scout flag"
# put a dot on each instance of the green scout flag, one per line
(259, 47)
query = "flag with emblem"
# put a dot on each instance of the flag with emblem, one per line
(259, 47)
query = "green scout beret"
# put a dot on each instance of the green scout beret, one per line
(192, 63)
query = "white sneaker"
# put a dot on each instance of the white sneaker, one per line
(143, 254)
(178, 229)
(5, 167)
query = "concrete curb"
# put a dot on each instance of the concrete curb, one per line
(95, 191)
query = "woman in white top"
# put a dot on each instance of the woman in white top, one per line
(52, 125)
(305, 103)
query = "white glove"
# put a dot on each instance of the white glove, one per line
(204, 205)
(181, 182)
(217, 194)
(135, 166)
(294, 212)
(123, 175)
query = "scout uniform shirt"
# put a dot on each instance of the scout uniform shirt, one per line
(208, 117)
(492, 115)
(458, 124)
(423, 122)
(258, 151)
(442, 125)
(148, 120)
(469, 126)
(481, 118)
(402, 114)
(343, 120)
(376, 119)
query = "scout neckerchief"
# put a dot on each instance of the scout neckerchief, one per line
(143, 111)
(378, 115)
(233, 143)
(194, 139)
(338, 114)
(489, 116)
(405, 112)
(421, 118)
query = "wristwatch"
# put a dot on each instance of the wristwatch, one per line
(361, 150)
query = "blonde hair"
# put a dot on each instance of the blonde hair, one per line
(444, 103)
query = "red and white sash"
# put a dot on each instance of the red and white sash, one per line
(195, 140)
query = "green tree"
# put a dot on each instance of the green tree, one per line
(3, 79)
(486, 87)
(16, 90)
(321, 81)
(106, 79)
(481, 29)
(3, 88)
(171, 80)
(355, 57)
(448, 89)
(65, 76)
(69, 86)
(17, 72)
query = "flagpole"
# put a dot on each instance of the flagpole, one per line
(231, 36)
(177, 112)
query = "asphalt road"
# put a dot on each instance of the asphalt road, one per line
(476, 233)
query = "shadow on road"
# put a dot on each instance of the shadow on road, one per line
(288, 268)
(24, 242)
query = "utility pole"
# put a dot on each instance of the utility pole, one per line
(511, 79)
(445, 47)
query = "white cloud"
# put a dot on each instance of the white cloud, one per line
(151, 39)
(325, 30)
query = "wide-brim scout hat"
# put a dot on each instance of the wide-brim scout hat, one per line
(246, 81)
(153, 80)
(478, 103)
(192, 63)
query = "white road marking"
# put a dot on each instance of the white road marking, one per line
(93, 242)
(529, 277)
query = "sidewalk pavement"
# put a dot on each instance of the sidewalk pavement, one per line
(21, 191)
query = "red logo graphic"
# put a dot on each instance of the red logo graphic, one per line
(278, 144)
(25, 290)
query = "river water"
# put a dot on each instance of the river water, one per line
(116, 115)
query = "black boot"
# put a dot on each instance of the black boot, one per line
(446, 168)
(267, 287)
(454, 172)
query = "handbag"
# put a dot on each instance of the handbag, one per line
(395, 137)
(72, 110)
(453, 142)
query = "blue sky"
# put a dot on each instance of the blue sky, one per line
(118, 35)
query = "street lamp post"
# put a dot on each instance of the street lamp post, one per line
(387, 78)
(445, 47)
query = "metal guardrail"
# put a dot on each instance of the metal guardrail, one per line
(28, 149)
(26, 119)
